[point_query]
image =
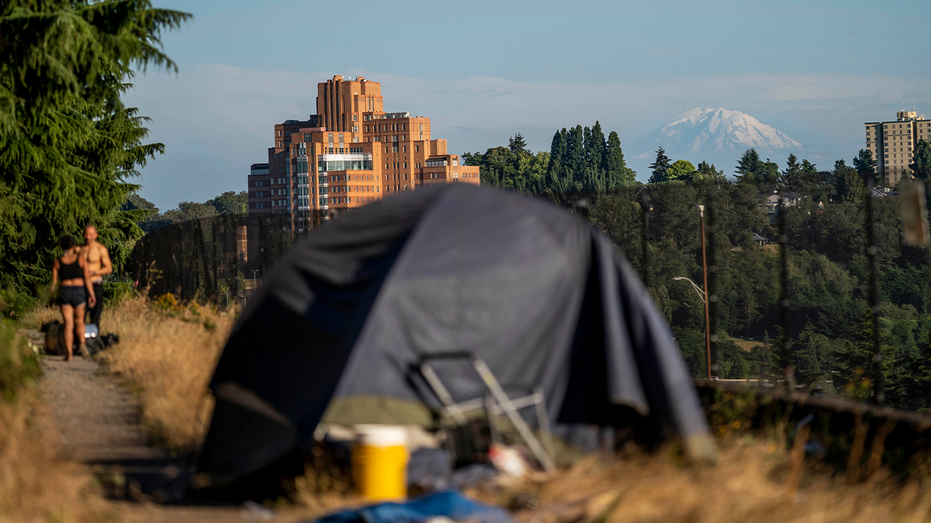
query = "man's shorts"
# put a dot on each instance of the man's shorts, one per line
(72, 295)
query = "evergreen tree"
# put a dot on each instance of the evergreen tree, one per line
(558, 157)
(807, 354)
(706, 173)
(597, 157)
(575, 152)
(848, 183)
(518, 145)
(793, 169)
(660, 166)
(750, 169)
(618, 172)
(921, 167)
(864, 163)
(68, 146)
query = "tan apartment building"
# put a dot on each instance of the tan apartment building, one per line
(894, 142)
(352, 153)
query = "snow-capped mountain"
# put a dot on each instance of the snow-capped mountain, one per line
(699, 133)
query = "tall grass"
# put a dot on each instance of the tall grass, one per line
(752, 481)
(168, 352)
(35, 485)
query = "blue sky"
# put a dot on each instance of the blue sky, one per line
(484, 70)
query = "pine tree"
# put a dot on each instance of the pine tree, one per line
(518, 145)
(68, 146)
(575, 152)
(660, 166)
(849, 184)
(864, 163)
(597, 158)
(791, 176)
(750, 169)
(921, 167)
(558, 156)
(615, 165)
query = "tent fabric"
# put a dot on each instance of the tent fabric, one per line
(449, 504)
(541, 296)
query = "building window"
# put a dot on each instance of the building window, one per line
(416, 148)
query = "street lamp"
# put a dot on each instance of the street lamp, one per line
(253, 278)
(704, 267)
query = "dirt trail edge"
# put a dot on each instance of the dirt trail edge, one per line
(97, 420)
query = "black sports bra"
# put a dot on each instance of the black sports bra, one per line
(70, 271)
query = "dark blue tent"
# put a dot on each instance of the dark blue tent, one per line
(541, 296)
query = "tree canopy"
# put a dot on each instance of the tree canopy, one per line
(580, 159)
(921, 167)
(69, 148)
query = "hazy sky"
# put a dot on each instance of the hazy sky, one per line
(484, 70)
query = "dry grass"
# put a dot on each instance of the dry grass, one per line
(34, 318)
(168, 353)
(751, 482)
(35, 485)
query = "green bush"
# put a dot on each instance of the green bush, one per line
(13, 304)
(19, 363)
(116, 291)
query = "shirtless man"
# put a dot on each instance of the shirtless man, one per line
(98, 261)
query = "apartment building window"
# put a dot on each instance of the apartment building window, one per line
(355, 118)
(416, 148)
(355, 128)
(405, 166)
(394, 148)
(405, 148)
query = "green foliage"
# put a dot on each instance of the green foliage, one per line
(682, 170)
(230, 202)
(580, 159)
(660, 167)
(831, 326)
(19, 363)
(921, 167)
(510, 167)
(68, 146)
(848, 183)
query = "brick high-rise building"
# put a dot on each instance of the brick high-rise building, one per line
(893, 143)
(352, 153)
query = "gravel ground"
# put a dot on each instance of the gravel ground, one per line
(97, 420)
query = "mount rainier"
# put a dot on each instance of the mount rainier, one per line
(706, 134)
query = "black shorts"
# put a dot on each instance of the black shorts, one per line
(73, 295)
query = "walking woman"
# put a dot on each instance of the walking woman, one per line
(72, 273)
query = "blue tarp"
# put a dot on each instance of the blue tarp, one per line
(450, 504)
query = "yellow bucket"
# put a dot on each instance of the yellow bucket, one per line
(379, 462)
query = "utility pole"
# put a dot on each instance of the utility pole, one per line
(704, 267)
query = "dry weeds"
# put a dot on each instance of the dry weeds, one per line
(35, 485)
(168, 353)
(751, 482)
